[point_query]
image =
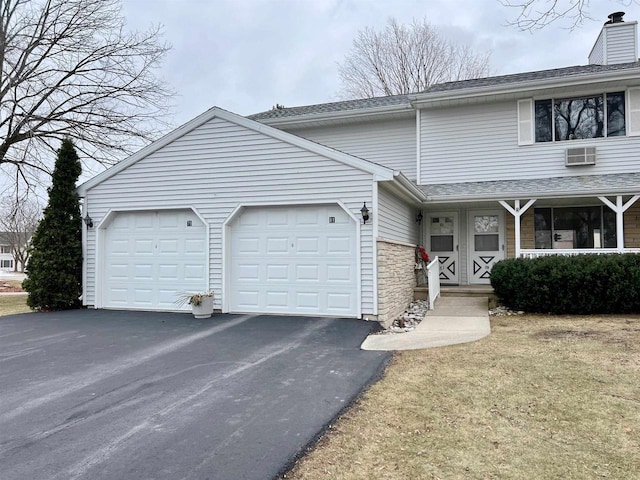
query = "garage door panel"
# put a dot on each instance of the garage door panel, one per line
(304, 265)
(151, 257)
(339, 245)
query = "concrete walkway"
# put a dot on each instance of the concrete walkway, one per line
(454, 320)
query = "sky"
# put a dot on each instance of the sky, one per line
(249, 55)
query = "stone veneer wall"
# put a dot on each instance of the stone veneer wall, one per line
(527, 232)
(632, 226)
(396, 279)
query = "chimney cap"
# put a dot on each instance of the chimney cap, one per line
(615, 17)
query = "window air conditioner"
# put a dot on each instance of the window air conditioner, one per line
(580, 156)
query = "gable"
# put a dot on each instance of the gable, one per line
(228, 132)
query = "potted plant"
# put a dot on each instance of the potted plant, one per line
(201, 303)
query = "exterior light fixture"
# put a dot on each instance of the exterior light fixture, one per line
(88, 221)
(365, 213)
(419, 217)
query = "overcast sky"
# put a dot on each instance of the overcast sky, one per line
(247, 55)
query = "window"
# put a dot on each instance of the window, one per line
(6, 263)
(5, 249)
(576, 118)
(575, 227)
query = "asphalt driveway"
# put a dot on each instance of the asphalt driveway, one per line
(138, 395)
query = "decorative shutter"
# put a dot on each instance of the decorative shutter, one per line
(633, 107)
(525, 122)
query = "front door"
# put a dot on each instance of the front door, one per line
(442, 231)
(486, 244)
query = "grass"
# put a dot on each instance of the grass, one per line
(542, 397)
(10, 304)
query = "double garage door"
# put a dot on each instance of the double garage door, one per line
(293, 260)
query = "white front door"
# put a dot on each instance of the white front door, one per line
(486, 244)
(442, 232)
(294, 260)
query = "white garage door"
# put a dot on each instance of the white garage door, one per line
(296, 260)
(152, 256)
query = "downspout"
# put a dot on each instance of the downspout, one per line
(418, 146)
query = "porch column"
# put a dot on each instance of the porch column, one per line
(619, 208)
(517, 212)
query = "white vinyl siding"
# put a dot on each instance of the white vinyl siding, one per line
(391, 143)
(396, 218)
(220, 165)
(621, 43)
(596, 57)
(480, 143)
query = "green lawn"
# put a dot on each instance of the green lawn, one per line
(10, 304)
(543, 397)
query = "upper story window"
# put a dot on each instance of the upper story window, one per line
(574, 118)
(5, 249)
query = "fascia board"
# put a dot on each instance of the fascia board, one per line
(356, 114)
(358, 163)
(424, 99)
(405, 187)
(434, 199)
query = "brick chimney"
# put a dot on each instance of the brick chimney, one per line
(617, 42)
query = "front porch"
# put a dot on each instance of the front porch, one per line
(469, 237)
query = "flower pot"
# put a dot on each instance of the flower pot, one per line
(205, 309)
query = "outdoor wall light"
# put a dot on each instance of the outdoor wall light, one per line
(365, 213)
(419, 217)
(88, 221)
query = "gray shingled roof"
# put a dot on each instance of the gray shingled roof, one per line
(530, 76)
(342, 106)
(365, 103)
(540, 187)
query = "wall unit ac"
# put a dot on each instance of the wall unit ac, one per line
(580, 156)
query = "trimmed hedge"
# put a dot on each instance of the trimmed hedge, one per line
(580, 284)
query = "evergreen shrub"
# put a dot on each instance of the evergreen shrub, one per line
(579, 284)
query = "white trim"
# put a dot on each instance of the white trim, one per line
(85, 240)
(418, 144)
(226, 231)
(101, 232)
(374, 247)
(383, 173)
(395, 242)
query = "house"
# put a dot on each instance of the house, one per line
(8, 261)
(317, 209)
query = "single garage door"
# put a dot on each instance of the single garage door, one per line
(294, 260)
(152, 256)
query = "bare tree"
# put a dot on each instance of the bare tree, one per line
(70, 69)
(404, 59)
(536, 14)
(18, 220)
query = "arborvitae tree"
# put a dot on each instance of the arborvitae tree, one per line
(55, 266)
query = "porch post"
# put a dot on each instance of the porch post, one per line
(619, 208)
(517, 212)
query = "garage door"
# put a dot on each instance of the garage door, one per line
(294, 260)
(151, 256)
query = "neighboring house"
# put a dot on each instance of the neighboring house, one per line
(7, 259)
(266, 210)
